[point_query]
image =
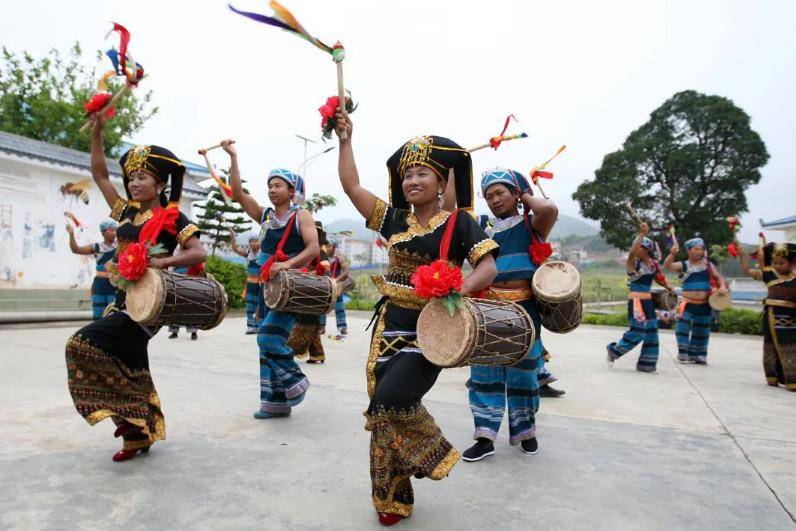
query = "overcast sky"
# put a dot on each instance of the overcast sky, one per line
(584, 74)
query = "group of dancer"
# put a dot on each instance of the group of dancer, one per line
(700, 278)
(429, 208)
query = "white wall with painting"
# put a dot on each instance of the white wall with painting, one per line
(34, 245)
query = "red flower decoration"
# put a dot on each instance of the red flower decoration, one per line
(327, 111)
(133, 261)
(437, 280)
(97, 102)
(733, 250)
(539, 251)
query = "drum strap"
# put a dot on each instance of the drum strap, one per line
(447, 236)
(279, 255)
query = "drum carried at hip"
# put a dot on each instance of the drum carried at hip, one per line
(483, 332)
(302, 293)
(347, 285)
(166, 298)
(556, 288)
(664, 300)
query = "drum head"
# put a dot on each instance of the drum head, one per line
(444, 339)
(556, 281)
(669, 300)
(273, 289)
(145, 299)
(720, 301)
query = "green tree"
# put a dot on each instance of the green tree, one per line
(318, 201)
(42, 98)
(217, 216)
(689, 165)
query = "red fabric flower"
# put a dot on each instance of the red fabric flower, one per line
(733, 250)
(540, 251)
(133, 261)
(97, 102)
(162, 219)
(436, 280)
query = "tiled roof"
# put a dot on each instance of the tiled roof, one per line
(784, 221)
(36, 149)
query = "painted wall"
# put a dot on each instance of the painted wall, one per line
(34, 244)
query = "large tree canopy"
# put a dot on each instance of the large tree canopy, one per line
(689, 166)
(42, 98)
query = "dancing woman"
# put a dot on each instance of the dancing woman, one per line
(107, 361)
(779, 314)
(405, 441)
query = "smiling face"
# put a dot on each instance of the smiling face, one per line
(696, 253)
(502, 200)
(254, 245)
(143, 187)
(279, 191)
(421, 186)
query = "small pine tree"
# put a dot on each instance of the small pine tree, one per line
(217, 217)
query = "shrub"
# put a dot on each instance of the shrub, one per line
(737, 321)
(605, 319)
(231, 275)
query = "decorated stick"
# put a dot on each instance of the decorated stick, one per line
(495, 141)
(111, 103)
(338, 55)
(632, 212)
(540, 171)
(285, 20)
(71, 217)
(211, 148)
(124, 66)
(501, 138)
(225, 189)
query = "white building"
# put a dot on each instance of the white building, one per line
(356, 251)
(34, 245)
(786, 225)
(378, 254)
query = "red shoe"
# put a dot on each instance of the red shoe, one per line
(388, 519)
(126, 455)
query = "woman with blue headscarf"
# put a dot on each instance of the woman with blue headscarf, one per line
(282, 384)
(103, 293)
(642, 269)
(700, 279)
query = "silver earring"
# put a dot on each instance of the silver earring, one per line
(439, 200)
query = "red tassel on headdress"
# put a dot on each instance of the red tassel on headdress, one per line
(97, 102)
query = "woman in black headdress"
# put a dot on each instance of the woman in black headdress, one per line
(405, 441)
(107, 361)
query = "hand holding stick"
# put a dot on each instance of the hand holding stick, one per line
(214, 146)
(108, 105)
(632, 212)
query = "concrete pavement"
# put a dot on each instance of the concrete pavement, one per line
(688, 448)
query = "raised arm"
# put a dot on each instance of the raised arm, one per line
(249, 203)
(745, 267)
(636, 247)
(449, 197)
(235, 247)
(74, 247)
(669, 264)
(99, 166)
(363, 199)
(545, 213)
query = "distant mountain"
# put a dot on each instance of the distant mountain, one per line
(357, 228)
(569, 226)
(565, 226)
